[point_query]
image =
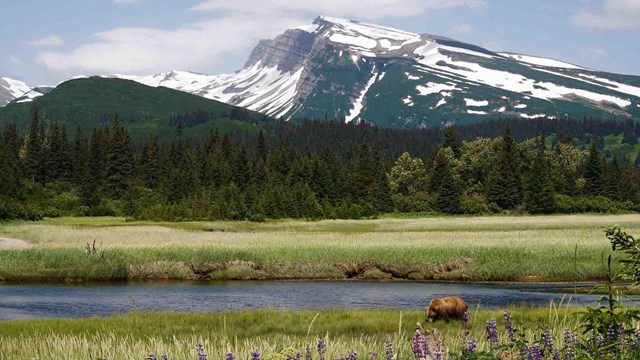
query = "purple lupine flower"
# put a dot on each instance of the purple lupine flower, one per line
(548, 340)
(255, 355)
(508, 324)
(152, 356)
(298, 356)
(164, 357)
(202, 355)
(611, 335)
(465, 319)
(472, 346)
(307, 353)
(492, 333)
(230, 356)
(535, 352)
(438, 353)
(637, 338)
(388, 348)
(570, 341)
(418, 343)
(322, 347)
(352, 355)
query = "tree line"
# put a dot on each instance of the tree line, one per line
(312, 169)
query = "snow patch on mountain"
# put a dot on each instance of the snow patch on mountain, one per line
(358, 105)
(476, 103)
(534, 60)
(434, 88)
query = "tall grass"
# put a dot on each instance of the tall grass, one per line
(501, 248)
(135, 335)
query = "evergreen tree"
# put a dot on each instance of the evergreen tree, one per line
(593, 172)
(504, 181)
(119, 165)
(443, 184)
(451, 140)
(613, 180)
(32, 160)
(539, 195)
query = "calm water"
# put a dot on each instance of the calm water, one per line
(42, 301)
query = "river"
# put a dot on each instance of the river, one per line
(20, 301)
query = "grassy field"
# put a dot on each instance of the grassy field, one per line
(275, 333)
(539, 248)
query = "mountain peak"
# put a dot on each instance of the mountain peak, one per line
(344, 69)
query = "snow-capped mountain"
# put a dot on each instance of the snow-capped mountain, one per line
(17, 91)
(11, 89)
(343, 69)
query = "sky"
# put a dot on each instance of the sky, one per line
(44, 42)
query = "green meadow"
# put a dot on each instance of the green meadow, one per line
(472, 249)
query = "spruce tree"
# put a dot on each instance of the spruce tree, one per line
(504, 181)
(119, 165)
(593, 172)
(451, 140)
(539, 195)
(33, 162)
(443, 183)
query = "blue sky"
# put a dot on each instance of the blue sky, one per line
(44, 42)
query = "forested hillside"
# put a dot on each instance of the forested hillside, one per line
(320, 169)
(92, 102)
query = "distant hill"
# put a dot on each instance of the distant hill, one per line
(92, 102)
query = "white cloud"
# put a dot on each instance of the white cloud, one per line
(234, 25)
(613, 15)
(48, 41)
(366, 9)
(145, 50)
(463, 28)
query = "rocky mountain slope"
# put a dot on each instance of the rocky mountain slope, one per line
(336, 68)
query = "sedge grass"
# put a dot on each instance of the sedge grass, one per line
(137, 334)
(537, 248)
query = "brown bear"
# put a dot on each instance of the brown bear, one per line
(445, 308)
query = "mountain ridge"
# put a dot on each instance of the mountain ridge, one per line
(354, 71)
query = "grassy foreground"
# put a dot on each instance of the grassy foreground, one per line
(275, 333)
(541, 248)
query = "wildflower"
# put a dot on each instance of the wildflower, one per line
(465, 321)
(471, 346)
(611, 335)
(322, 347)
(388, 347)
(230, 356)
(307, 353)
(438, 354)
(352, 355)
(373, 355)
(492, 333)
(535, 353)
(202, 355)
(570, 341)
(548, 340)
(164, 357)
(508, 324)
(152, 356)
(418, 345)
(255, 354)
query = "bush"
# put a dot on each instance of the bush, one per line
(418, 202)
